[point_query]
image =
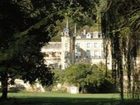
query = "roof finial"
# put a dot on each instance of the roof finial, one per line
(66, 29)
(67, 23)
(75, 29)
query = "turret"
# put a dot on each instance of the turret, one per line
(65, 41)
(68, 47)
(66, 29)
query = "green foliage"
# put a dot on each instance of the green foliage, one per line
(16, 88)
(58, 76)
(120, 24)
(23, 31)
(25, 25)
(77, 73)
(89, 78)
(83, 13)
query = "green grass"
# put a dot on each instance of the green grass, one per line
(66, 95)
(51, 98)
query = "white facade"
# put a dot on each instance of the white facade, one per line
(85, 47)
(52, 51)
(65, 52)
(89, 48)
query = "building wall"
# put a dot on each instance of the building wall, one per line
(88, 47)
(92, 50)
(52, 52)
(65, 52)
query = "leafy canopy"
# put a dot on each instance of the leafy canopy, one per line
(83, 75)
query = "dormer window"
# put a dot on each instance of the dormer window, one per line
(88, 35)
(66, 31)
(100, 35)
(95, 35)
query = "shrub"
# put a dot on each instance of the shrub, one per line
(16, 88)
(106, 86)
(89, 78)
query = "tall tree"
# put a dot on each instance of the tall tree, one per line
(22, 33)
(25, 25)
(121, 25)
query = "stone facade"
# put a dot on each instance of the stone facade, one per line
(85, 47)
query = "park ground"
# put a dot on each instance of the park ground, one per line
(51, 98)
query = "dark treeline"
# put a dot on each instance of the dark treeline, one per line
(26, 25)
(121, 25)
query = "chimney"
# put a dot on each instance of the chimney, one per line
(84, 31)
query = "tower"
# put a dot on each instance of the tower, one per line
(65, 43)
(68, 47)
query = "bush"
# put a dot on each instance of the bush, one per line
(102, 86)
(16, 88)
(89, 78)
(106, 86)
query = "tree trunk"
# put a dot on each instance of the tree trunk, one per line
(129, 67)
(4, 85)
(106, 51)
(121, 85)
(129, 74)
(120, 68)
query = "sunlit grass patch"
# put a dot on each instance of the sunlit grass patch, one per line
(53, 98)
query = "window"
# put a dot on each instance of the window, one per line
(97, 45)
(78, 53)
(95, 34)
(97, 54)
(102, 54)
(88, 53)
(78, 44)
(66, 45)
(88, 45)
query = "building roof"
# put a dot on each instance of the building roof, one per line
(52, 46)
(90, 35)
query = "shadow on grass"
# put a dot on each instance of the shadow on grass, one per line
(66, 101)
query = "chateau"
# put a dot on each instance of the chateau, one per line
(86, 47)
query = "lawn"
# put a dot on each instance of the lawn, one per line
(50, 98)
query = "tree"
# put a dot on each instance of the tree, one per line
(21, 36)
(120, 24)
(25, 25)
(89, 78)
